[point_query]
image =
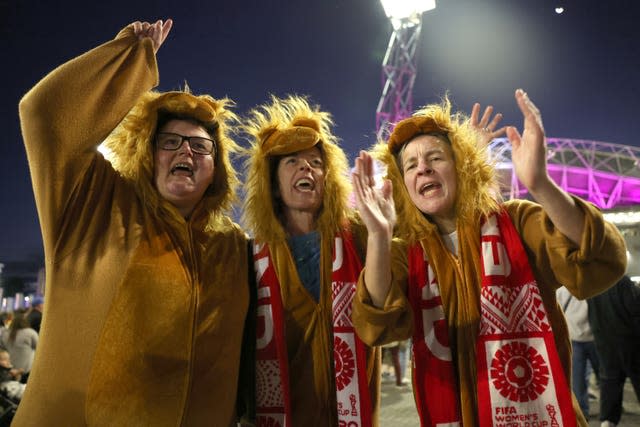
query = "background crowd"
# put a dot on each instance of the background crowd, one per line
(331, 284)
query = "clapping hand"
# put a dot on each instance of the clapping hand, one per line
(375, 205)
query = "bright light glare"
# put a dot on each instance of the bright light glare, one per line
(622, 218)
(399, 9)
(106, 153)
(559, 10)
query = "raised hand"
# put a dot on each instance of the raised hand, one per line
(486, 126)
(375, 205)
(529, 150)
(529, 157)
(378, 212)
(157, 32)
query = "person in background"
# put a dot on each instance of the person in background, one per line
(5, 320)
(10, 376)
(147, 277)
(21, 341)
(312, 370)
(392, 352)
(472, 278)
(583, 347)
(35, 313)
(615, 320)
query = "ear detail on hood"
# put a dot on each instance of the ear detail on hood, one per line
(408, 128)
(306, 122)
(201, 108)
(291, 140)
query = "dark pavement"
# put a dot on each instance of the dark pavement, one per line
(398, 408)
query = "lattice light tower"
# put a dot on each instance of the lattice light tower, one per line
(400, 62)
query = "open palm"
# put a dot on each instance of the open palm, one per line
(529, 150)
(375, 205)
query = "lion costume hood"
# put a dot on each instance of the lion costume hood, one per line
(476, 194)
(131, 145)
(138, 297)
(283, 127)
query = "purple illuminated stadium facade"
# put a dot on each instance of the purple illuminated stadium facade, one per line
(607, 175)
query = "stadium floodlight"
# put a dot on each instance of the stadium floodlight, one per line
(400, 64)
(406, 12)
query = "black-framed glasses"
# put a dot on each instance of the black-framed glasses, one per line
(173, 141)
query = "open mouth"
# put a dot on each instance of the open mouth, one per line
(430, 186)
(182, 169)
(304, 184)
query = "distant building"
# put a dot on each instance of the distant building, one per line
(608, 175)
(26, 277)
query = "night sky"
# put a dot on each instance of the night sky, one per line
(582, 67)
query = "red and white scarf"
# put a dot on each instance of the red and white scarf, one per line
(520, 377)
(272, 388)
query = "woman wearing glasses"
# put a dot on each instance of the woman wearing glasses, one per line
(146, 277)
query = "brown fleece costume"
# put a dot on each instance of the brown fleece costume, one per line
(585, 270)
(284, 127)
(145, 310)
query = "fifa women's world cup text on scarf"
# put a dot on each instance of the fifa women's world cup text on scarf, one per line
(520, 376)
(490, 342)
(312, 370)
(354, 406)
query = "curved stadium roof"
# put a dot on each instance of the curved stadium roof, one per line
(606, 174)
